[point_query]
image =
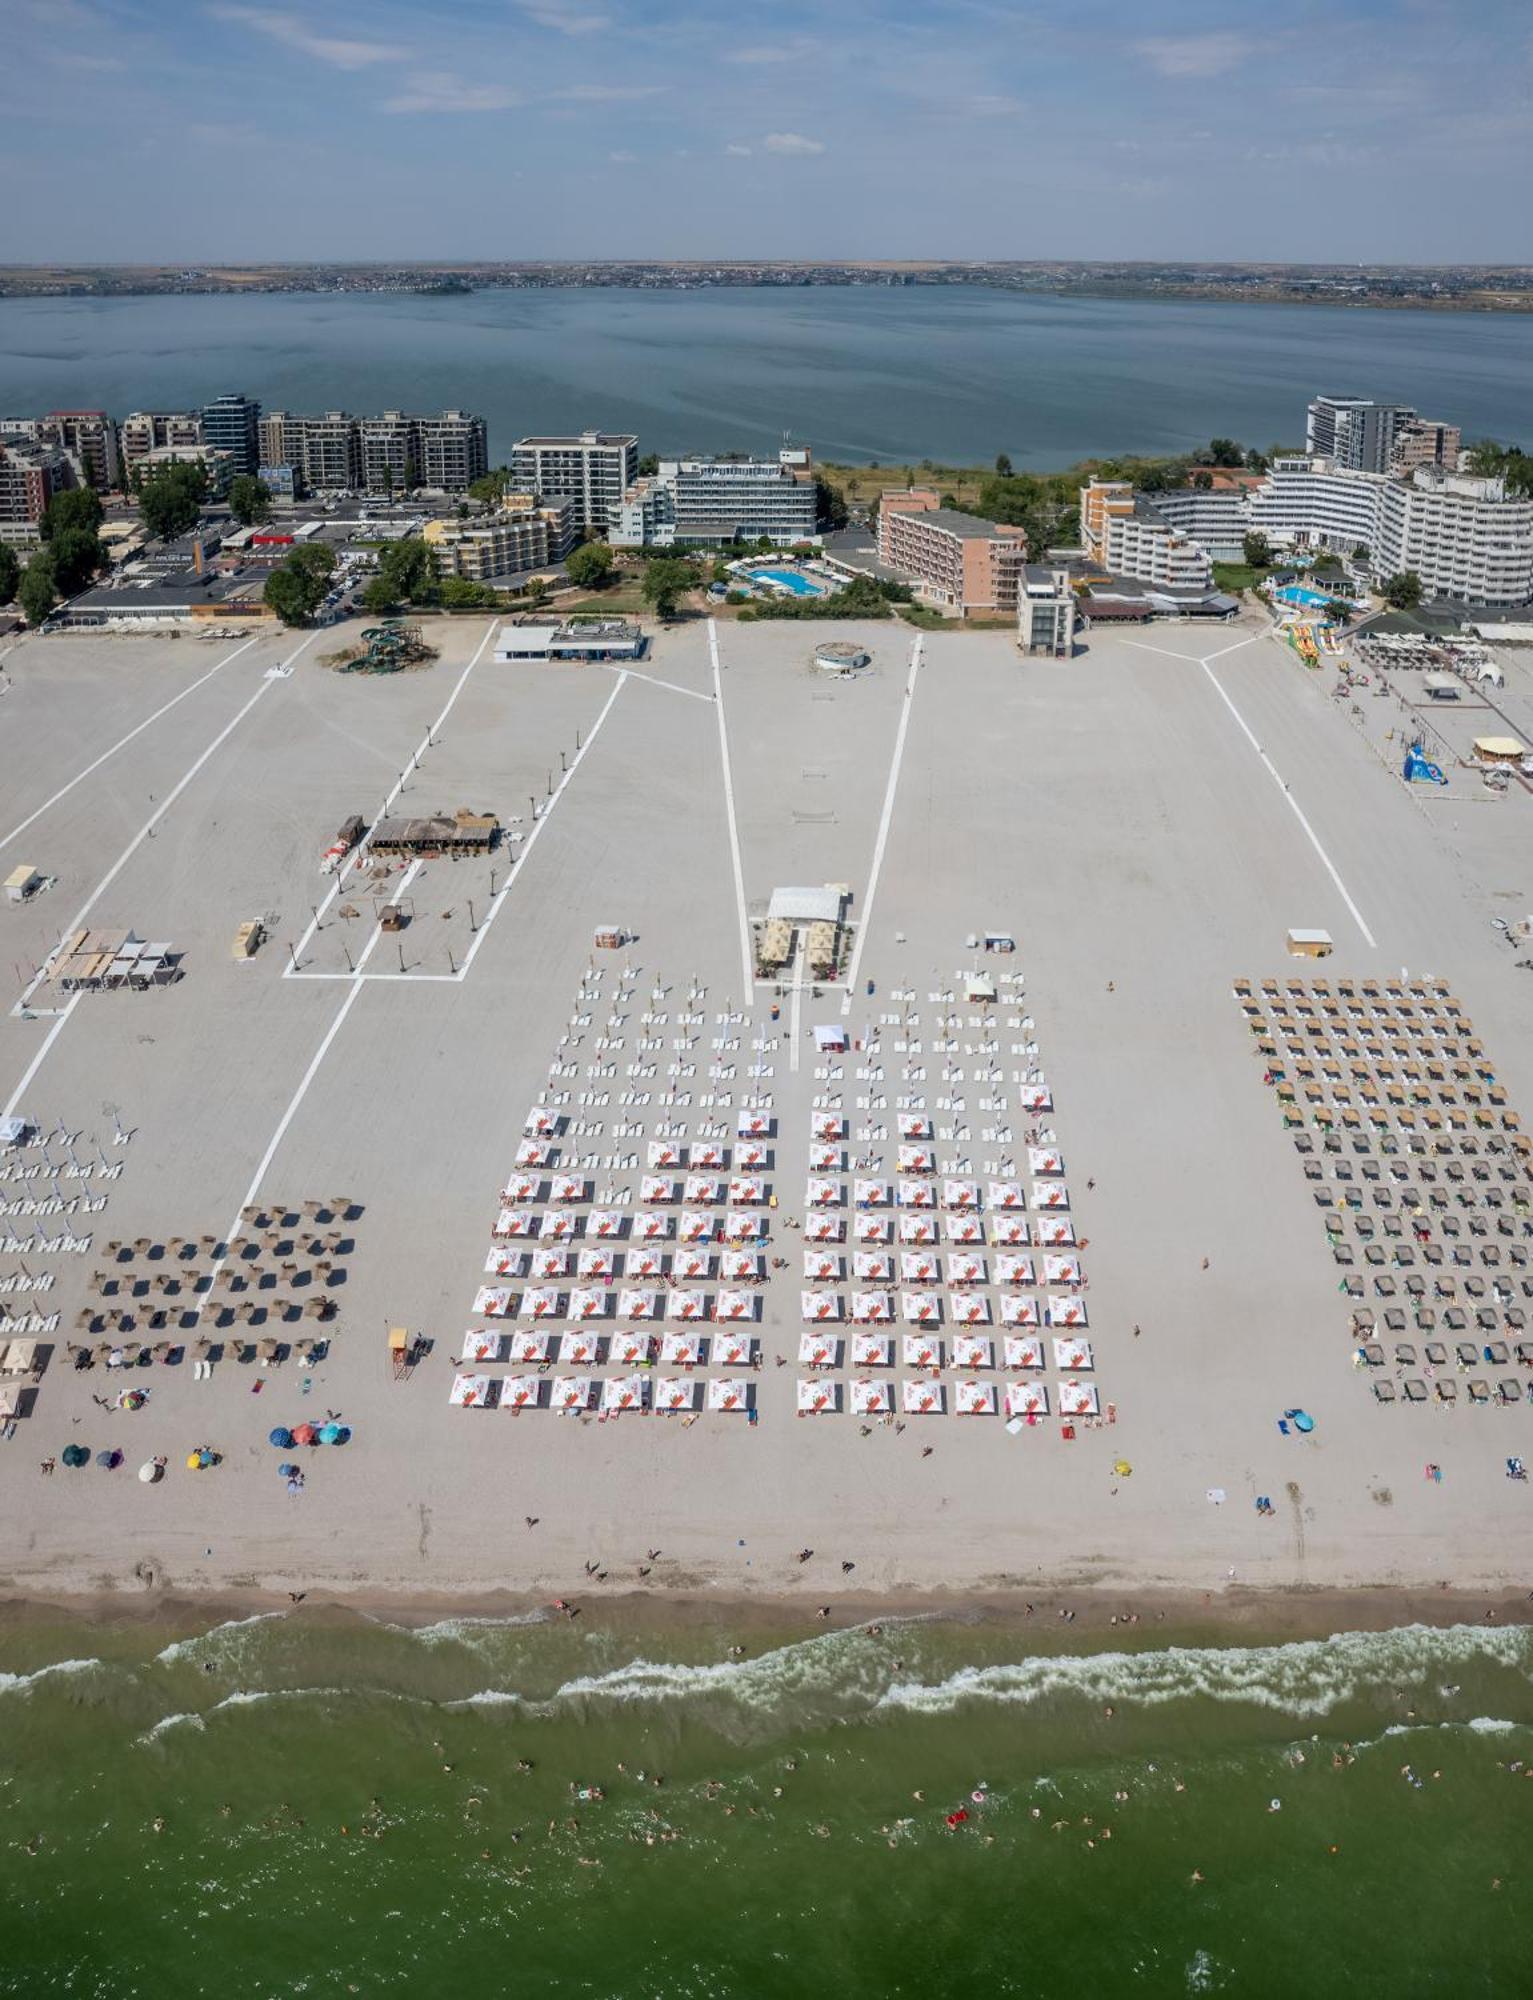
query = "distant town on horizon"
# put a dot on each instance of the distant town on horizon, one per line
(1455, 287)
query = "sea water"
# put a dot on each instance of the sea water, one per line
(951, 373)
(325, 1803)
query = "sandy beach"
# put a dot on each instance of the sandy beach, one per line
(1115, 814)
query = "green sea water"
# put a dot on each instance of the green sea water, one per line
(320, 1803)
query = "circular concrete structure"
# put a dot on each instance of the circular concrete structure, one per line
(838, 656)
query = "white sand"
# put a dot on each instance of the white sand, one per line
(1109, 812)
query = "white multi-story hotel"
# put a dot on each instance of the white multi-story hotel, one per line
(1468, 539)
(593, 470)
(718, 500)
(1126, 533)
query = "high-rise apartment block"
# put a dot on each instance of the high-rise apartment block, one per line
(391, 453)
(233, 424)
(30, 475)
(718, 500)
(593, 470)
(157, 430)
(1354, 431)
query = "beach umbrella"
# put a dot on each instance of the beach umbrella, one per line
(109, 1459)
(281, 1438)
(194, 1461)
(134, 1399)
(331, 1434)
(305, 1434)
(288, 1471)
(75, 1455)
(149, 1474)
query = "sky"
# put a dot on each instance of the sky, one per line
(219, 130)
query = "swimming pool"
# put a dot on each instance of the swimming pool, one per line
(786, 579)
(1296, 593)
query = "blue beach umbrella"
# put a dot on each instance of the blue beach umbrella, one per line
(332, 1434)
(281, 1438)
(287, 1471)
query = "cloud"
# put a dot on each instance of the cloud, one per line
(792, 145)
(623, 159)
(738, 152)
(1195, 55)
(563, 18)
(294, 33)
(436, 90)
(610, 93)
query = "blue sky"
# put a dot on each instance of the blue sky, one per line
(1374, 130)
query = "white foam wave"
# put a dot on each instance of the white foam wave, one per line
(1491, 1725)
(211, 1640)
(465, 1631)
(22, 1683)
(168, 1722)
(1307, 1677)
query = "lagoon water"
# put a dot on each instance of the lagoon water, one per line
(324, 1803)
(954, 374)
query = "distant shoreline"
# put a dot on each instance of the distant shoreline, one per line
(1456, 288)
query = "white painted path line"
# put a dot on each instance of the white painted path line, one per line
(796, 1010)
(359, 852)
(158, 814)
(1277, 778)
(121, 743)
(37, 1061)
(232, 1234)
(537, 827)
(747, 967)
(885, 820)
(654, 680)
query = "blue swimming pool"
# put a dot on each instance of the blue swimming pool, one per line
(1296, 593)
(787, 579)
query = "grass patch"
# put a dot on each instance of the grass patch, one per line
(1236, 577)
(928, 620)
(864, 483)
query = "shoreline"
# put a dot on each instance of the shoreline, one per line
(1233, 1616)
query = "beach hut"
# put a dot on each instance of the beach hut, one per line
(974, 1399)
(538, 1302)
(873, 1267)
(596, 1265)
(693, 1226)
(1017, 1309)
(675, 1392)
(822, 1193)
(1064, 1310)
(493, 1301)
(570, 1394)
(730, 1395)
(872, 1399)
(734, 1350)
(921, 1308)
(681, 1350)
(580, 1349)
(819, 1350)
(923, 1399)
(1070, 1355)
(631, 1350)
(504, 1263)
(872, 1228)
(872, 1350)
(702, 1188)
(643, 1264)
(820, 1307)
(480, 1344)
(1078, 1399)
(666, 1153)
(1023, 1350)
(688, 1305)
(822, 1266)
(734, 1305)
(469, 1392)
(532, 1346)
(605, 1223)
(521, 1392)
(817, 1397)
(1028, 1400)
(872, 1193)
(546, 1265)
(968, 1309)
(624, 1392)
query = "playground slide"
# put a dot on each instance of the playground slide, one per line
(1417, 767)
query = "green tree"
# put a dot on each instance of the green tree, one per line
(1403, 590)
(649, 465)
(1003, 465)
(409, 567)
(170, 500)
(1203, 481)
(249, 501)
(462, 592)
(1225, 451)
(379, 596)
(10, 573)
(1339, 611)
(36, 592)
(591, 565)
(829, 504)
(1256, 549)
(666, 580)
(79, 507)
(491, 486)
(76, 554)
(1256, 461)
(296, 588)
(1360, 553)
